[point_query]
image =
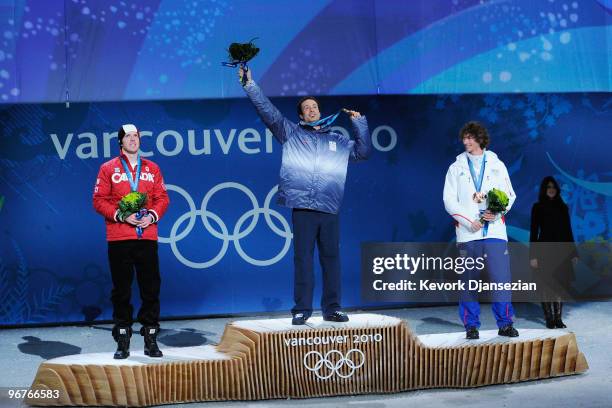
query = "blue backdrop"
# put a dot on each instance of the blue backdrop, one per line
(225, 248)
(100, 50)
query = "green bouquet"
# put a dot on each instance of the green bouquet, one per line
(131, 203)
(240, 54)
(497, 201)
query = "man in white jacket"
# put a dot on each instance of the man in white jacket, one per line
(475, 172)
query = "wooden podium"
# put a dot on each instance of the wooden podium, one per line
(263, 359)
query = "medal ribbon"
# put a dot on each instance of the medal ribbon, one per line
(128, 172)
(326, 121)
(244, 66)
(478, 184)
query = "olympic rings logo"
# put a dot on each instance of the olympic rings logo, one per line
(333, 362)
(222, 232)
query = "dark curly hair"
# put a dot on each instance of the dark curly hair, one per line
(299, 105)
(478, 131)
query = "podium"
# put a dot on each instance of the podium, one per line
(264, 359)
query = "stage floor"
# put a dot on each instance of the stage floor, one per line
(22, 350)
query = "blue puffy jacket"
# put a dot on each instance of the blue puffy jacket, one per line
(314, 165)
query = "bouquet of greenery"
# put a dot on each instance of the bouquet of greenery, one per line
(497, 202)
(241, 54)
(133, 203)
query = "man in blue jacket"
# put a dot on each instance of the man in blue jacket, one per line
(312, 177)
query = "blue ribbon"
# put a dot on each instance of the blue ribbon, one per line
(244, 66)
(139, 215)
(134, 186)
(478, 185)
(326, 121)
(477, 181)
(128, 172)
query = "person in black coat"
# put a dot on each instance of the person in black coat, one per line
(550, 222)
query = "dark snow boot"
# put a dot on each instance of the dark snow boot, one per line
(548, 315)
(122, 335)
(150, 341)
(557, 312)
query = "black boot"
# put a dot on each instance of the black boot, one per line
(150, 341)
(122, 335)
(557, 311)
(508, 331)
(471, 333)
(548, 315)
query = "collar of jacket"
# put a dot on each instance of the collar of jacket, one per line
(124, 157)
(304, 126)
(461, 161)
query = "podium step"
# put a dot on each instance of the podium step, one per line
(270, 358)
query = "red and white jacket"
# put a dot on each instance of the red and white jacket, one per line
(112, 184)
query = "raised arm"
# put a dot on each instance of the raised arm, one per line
(281, 127)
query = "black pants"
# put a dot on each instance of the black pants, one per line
(125, 258)
(310, 227)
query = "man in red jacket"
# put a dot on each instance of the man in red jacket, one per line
(127, 252)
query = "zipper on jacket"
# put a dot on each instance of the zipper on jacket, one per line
(315, 172)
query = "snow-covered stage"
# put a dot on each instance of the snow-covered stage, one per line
(263, 359)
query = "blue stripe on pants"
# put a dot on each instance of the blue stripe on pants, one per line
(497, 262)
